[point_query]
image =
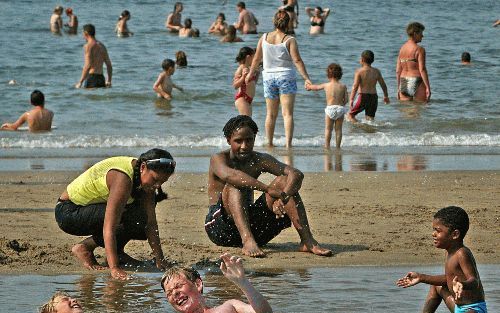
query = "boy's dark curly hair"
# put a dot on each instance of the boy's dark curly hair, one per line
(454, 217)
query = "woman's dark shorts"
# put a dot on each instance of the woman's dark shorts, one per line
(89, 220)
(264, 225)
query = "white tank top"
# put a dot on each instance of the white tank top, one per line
(276, 58)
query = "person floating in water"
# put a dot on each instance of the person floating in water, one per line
(465, 59)
(234, 219)
(95, 55)
(61, 302)
(460, 287)
(183, 288)
(39, 119)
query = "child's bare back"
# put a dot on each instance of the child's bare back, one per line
(336, 93)
(368, 78)
(39, 119)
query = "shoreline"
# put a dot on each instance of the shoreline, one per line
(374, 219)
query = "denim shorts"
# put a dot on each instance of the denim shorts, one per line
(279, 83)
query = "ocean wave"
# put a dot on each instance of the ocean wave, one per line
(198, 141)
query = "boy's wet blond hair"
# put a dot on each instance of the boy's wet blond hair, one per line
(50, 306)
(190, 273)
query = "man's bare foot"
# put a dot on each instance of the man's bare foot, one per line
(253, 250)
(86, 256)
(315, 248)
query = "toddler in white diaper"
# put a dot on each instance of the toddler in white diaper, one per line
(336, 98)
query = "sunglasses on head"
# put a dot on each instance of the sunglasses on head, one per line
(161, 162)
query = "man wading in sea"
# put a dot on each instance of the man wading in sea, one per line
(234, 220)
(95, 55)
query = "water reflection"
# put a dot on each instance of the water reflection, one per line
(363, 163)
(37, 164)
(164, 105)
(343, 289)
(333, 160)
(411, 110)
(115, 295)
(412, 163)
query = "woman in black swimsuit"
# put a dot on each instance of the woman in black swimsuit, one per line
(318, 17)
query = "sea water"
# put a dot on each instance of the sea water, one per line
(343, 289)
(463, 117)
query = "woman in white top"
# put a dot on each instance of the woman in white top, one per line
(280, 55)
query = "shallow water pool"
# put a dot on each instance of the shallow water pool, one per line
(344, 289)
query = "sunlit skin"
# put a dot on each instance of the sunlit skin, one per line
(233, 174)
(66, 304)
(186, 296)
(460, 284)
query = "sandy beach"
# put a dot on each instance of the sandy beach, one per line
(366, 218)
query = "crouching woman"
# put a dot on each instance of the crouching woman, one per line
(114, 202)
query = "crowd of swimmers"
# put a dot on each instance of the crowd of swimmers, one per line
(114, 201)
(278, 54)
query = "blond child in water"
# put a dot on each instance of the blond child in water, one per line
(164, 85)
(39, 118)
(244, 97)
(336, 98)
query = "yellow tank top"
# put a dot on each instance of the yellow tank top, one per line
(90, 187)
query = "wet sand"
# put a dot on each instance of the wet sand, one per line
(366, 218)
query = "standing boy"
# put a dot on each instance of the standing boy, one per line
(164, 85)
(184, 290)
(39, 118)
(234, 219)
(460, 287)
(365, 83)
(95, 56)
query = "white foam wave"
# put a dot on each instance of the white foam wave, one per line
(192, 141)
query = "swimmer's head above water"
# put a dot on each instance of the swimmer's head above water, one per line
(61, 303)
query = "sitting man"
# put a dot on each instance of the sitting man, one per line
(183, 288)
(234, 219)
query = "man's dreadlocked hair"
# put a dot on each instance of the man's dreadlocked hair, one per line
(238, 122)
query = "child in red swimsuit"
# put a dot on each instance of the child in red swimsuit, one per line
(244, 96)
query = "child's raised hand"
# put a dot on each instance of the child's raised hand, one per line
(232, 267)
(458, 287)
(411, 279)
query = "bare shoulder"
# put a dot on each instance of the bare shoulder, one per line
(464, 252)
(234, 305)
(220, 157)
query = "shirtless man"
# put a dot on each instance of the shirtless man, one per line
(247, 23)
(39, 119)
(234, 219)
(184, 290)
(365, 83)
(95, 55)
(173, 23)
